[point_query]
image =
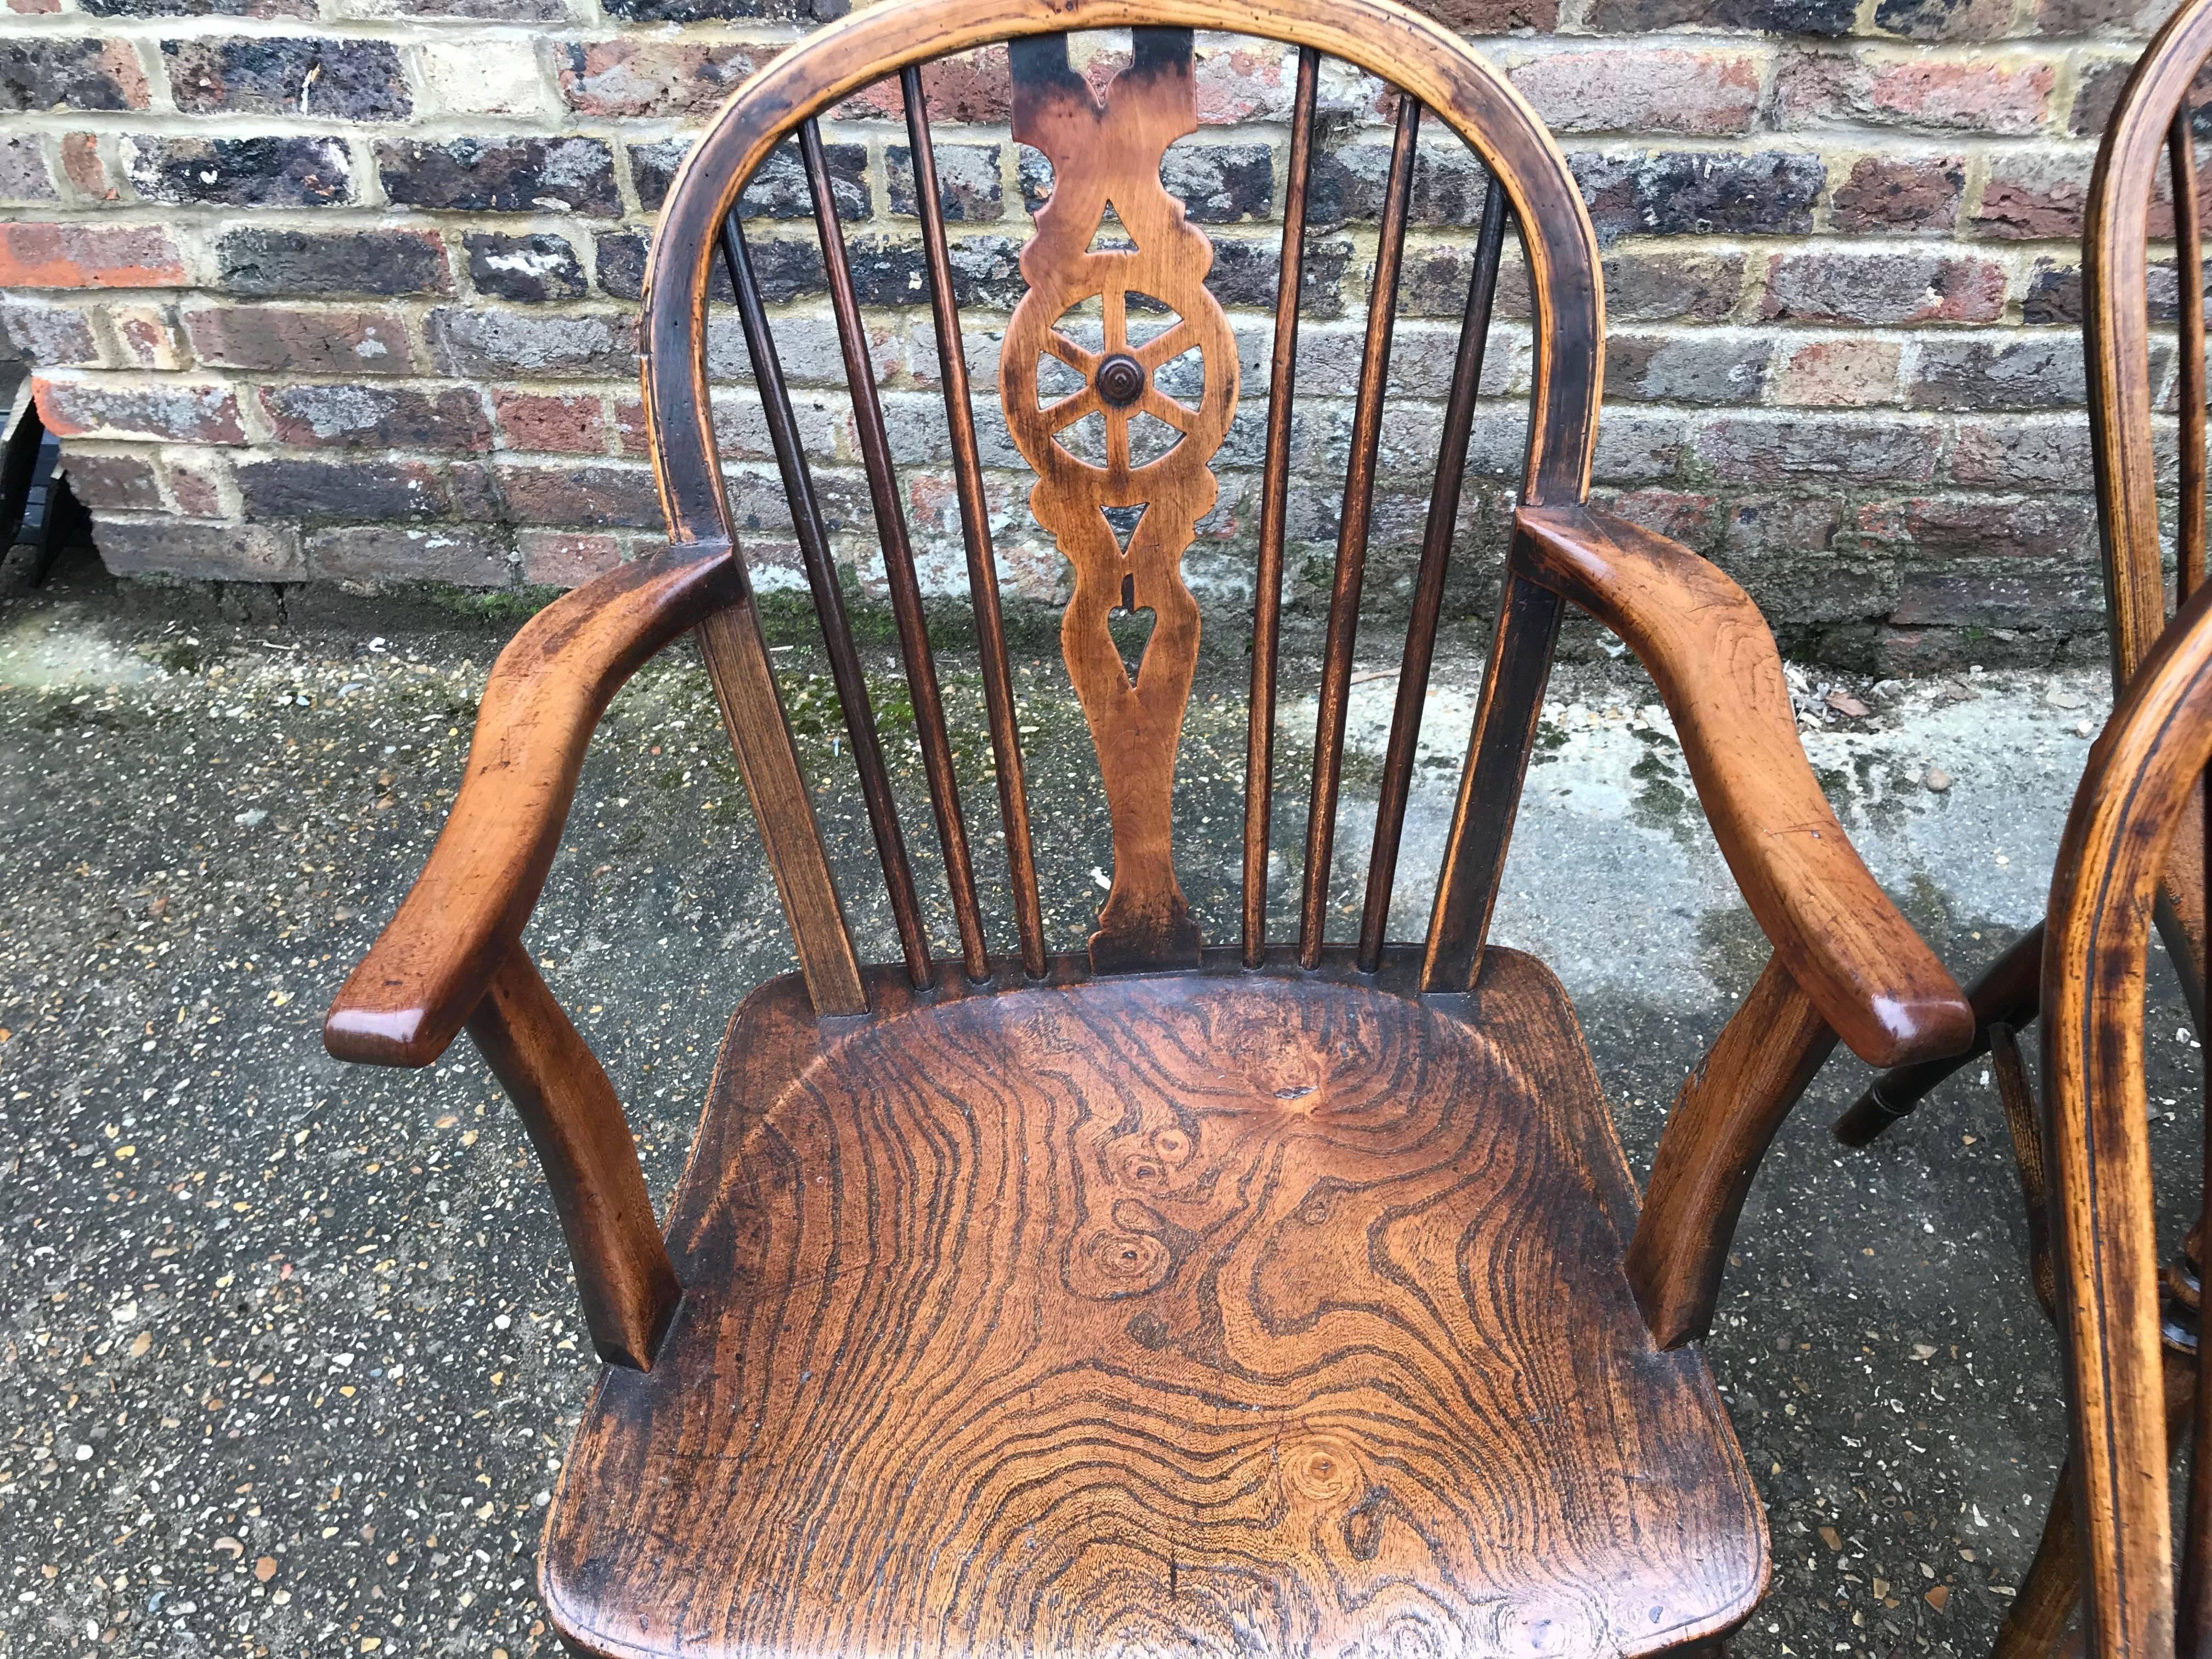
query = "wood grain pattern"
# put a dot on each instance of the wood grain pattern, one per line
(1708, 652)
(2188, 257)
(2016, 1093)
(584, 1144)
(1724, 1118)
(1274, 516)
(1106, 156)
(1223, 1313)
(1333, 701)
(429, 968)
(2133, 797)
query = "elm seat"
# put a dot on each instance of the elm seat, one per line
(1212, 1313)
(1168, 1297)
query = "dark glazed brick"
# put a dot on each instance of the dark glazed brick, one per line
(264, 262)
(1882, 290)
(377, 417)
(709, 11)
(1249, 273)
(1348, 183)
(348, 79)
(2040, 372)
(1890, 192)
(1492, 16)
(596, 495)
(524, 268)
(1944, 20)
(1765, 16)
(315, 342)
(968, 186)
(39, 75)
(2096, 91)
(501, 175)
(621, 267)
(1675, 192)
(203, 552)
(986, 271)
(655, 79)
(341, 489)
(1670, 285)
(1758, 449)
(779, 190)
(52, 337)
(1220, 184)
(441, 553)
(241, 172)
(653, 168)
(109, 483)
(200, 8)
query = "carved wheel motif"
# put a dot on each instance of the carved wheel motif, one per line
(1121, 425)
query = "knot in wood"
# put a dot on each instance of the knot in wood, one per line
(1121, 380)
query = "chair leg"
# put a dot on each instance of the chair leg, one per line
(2009, 993)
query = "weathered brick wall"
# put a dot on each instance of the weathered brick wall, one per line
(345, 289)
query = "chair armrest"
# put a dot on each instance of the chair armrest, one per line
(1707, 648)
(430, 967)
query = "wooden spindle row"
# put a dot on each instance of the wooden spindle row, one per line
(1353, 529)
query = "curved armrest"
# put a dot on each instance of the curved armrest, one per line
(1874, 980)
(430, 968)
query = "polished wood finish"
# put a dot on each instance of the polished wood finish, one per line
(2188, 257)
(736, 656)
(1136, 1316)
(1106, 156)
(1724, 1118)
(845, 671)
(1499, 747)
(1274, 515)
(1437, 535)
(2141, 774)
(2008, 993)
(1335, 700)
(1278, 1300)
(431, 965)
(899, 574)
(975, 520)
(2023, 1124)
(624, 1275)
(1709, 653)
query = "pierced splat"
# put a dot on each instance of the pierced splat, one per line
(1124, 513)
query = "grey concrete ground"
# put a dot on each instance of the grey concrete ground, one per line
(288, 1353)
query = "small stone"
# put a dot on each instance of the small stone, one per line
(1847, 705)
(265, 1568)
(2059, 697)
(1937, 780)
(1938, 1597)
(2084, 729)
(251, 818)
(1831, 1538)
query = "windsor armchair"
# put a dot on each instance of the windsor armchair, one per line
(2152, 122)
(2130, 827)
(1280, 1296)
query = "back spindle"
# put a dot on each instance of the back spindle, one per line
(2189, 262)
(1428, 585)
(1274, 515)
(828, 604)
(898, 562)
(976, 534)
(1351, 535)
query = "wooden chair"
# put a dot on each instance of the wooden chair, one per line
(1266, 1297)
(2129, 828)
(2151, 127)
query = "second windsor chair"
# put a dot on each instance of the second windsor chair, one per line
(1274, 1297)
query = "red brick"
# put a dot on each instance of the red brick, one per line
(973, 87)
(195, 487)
(1898, 193)
(316, 342)
(1250, 82)
(377, 416)
(1492, 16)
(89, 256)
(2004, 96)
(630, 427)
(149, 336)
(34, 8)
(560, 558)
(80, 161)
(2034, 196)
(171, 409)
(109, 483)
(1643, 89)
(627, 75)
(203, 552)
(442, 553)
(2024, 526)
(596, 495)
(569, 425)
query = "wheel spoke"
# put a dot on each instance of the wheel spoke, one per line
(1167, 346)
(1069, 410)
(1158, 404)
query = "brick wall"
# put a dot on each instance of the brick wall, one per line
(345, 290)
